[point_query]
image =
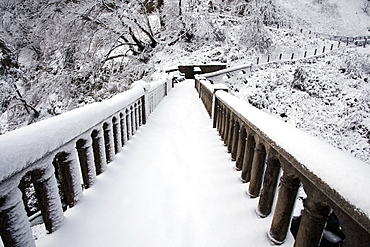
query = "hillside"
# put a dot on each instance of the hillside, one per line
(327, 96)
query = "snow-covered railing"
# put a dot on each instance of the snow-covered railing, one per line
(55, 153)
(206, 91)
(268, 59)
(155, 94)
(262, 146)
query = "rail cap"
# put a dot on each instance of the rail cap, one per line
(339, 170)
(227, 70)
(212, 87)
(24, 146)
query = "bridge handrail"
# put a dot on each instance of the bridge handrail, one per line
(330, 177)
(18, 149)
(82, 141)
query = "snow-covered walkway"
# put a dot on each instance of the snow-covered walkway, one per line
(173, 184)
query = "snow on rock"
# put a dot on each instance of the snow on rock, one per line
(342, 172)
(24, 146)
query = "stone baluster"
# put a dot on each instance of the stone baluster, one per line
(128, 124)
(312, 223)
(98, 151)
(15, 230)
(132, 119)
(117, 135)
(235, 140)
(151, 102)
(248, 158)
(70, 177)
(86, 158)
(223, 121)
(287, 196)
(257, 170)
(136, 117)
(108, 142)
(143, 109)
(229, 135)
(216, 119)
(123, 128)
(47, 192)
(270, 181)
(226, 125)
(241, 148)
(140, 112)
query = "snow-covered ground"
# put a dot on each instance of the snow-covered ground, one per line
(336, 17)
(184, 192)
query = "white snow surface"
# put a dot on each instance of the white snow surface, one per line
(183, 192)
(336, 17)
(341, 171)
(24, 146)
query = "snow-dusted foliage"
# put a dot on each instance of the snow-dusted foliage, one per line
(328, 97)
(59, 55)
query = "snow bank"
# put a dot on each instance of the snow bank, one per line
(24, 146)
(342, 172)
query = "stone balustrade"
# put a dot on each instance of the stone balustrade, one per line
(275, 158)
(55, 153)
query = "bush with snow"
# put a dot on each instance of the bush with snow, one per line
(328, 97)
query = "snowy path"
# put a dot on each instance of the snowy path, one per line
(172, 185)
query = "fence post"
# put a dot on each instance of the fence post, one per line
(292, 57)
(305, 54)
(323, 49)
(258, 60)
(315, 52)
(280, 56)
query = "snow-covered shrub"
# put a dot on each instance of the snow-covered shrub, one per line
(316, 97)
(357, 64)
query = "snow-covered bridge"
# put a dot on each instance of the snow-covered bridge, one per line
(175, 181)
